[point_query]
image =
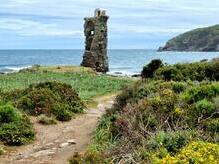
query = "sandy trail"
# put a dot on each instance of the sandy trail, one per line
(55, 144)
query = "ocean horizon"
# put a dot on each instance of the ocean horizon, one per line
(121, 61)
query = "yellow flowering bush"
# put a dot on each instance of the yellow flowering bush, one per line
(178, 112)
(194, 153)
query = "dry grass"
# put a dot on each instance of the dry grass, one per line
(67, 69)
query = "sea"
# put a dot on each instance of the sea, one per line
(121, 62)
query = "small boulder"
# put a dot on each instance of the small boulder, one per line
(65, 144)
(72, 141)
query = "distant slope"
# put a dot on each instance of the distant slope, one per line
(202, 39)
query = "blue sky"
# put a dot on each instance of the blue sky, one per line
(58, 24)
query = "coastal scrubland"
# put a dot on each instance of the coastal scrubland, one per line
(171, 116)
(51, 94)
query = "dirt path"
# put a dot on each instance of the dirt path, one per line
(56, 143)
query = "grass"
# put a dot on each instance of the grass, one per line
(64, 69)
(88, 84)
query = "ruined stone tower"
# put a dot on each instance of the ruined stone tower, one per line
(95, 30)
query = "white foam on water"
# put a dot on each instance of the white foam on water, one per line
(10, 69)
(121, 73)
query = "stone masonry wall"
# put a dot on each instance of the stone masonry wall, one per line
(95, 30)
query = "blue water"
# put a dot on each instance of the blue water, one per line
(122, 61)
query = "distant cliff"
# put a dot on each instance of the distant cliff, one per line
(202, 39)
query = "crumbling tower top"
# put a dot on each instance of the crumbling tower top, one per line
(98, 13)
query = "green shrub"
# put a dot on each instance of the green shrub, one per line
(67, 94)
(173, 142)
(150, 121)
(168, 101)
(149, 70)
(193, 71)
(12, 96)
(16, 133)
(9, 114)
(15, 128)
(216, 102)
(169, 73)
(201, 92)
(62, 112)
(212, 70)
(38, 101)
(203, 108)
(42, 98)
(212, 125)
(45, 120)
(178, 87)
(132, 93)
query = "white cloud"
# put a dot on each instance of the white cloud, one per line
(25, 2)
(32, 28)
(42, 31)
(150, 29)
(16, 24)
(17, 3)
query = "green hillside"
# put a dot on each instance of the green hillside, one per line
(202, 39)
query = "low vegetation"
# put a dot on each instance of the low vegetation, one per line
(15, 127)
(50, 93)
(49, 98)
(161, 120)
(150, 69)
(198, 71)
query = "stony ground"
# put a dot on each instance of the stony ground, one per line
(55, 144)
